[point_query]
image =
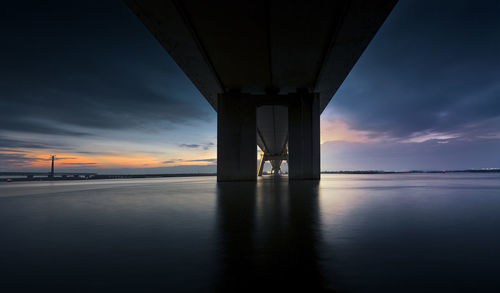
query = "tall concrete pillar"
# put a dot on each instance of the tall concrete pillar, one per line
(236, 138)
(303, 137)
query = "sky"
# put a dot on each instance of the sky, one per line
(87, 81)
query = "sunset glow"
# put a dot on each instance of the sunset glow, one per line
(96, 112)
(335, 129)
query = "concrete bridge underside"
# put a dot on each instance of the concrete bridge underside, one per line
(269, 68)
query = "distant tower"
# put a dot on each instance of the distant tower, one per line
(52, 169)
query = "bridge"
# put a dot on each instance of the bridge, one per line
(269, 69)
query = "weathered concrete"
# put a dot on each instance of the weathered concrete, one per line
(236, 138)
(304, 137)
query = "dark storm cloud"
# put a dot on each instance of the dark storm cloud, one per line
(204, 146)
(18, 124)
(88, 64)
(433, 65)
(9, 143)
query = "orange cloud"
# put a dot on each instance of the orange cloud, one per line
(33, 159)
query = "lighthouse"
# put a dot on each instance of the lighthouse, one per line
(52, 168)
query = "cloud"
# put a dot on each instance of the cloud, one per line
(99, 153)
(214, 160)
(204, 146)
(190, 146)
(427, 82)
(100, 72)
(398, 156)
(172, 161)
(8, 160)
(14, 122)
(79, 164)
(56, 158)
(10, 143)
(424, 136)
(336, 129)
(435, 73)
(180, 161)
(190, 169)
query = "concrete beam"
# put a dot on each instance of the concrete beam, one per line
(304, 137)
(282, 45)
(236, 138)
(275, 157)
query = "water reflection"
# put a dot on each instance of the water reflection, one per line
(379, 233)
(269, 233)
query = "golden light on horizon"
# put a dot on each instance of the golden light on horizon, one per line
(41, 159)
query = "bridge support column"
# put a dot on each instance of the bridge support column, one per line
(236, 138)
(304, 137)
(260, 170)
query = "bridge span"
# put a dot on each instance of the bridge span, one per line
(269, 68)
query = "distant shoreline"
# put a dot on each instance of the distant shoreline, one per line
(98, 176)
(413, 171)
(16, 175)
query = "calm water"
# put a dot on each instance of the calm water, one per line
(347, 233)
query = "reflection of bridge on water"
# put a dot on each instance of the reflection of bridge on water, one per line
(269, 236)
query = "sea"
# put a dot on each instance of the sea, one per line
(345, 233)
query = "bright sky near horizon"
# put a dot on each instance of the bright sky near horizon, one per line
(88, 82)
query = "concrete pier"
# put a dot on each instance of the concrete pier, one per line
(304, 137)
(236, 138)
